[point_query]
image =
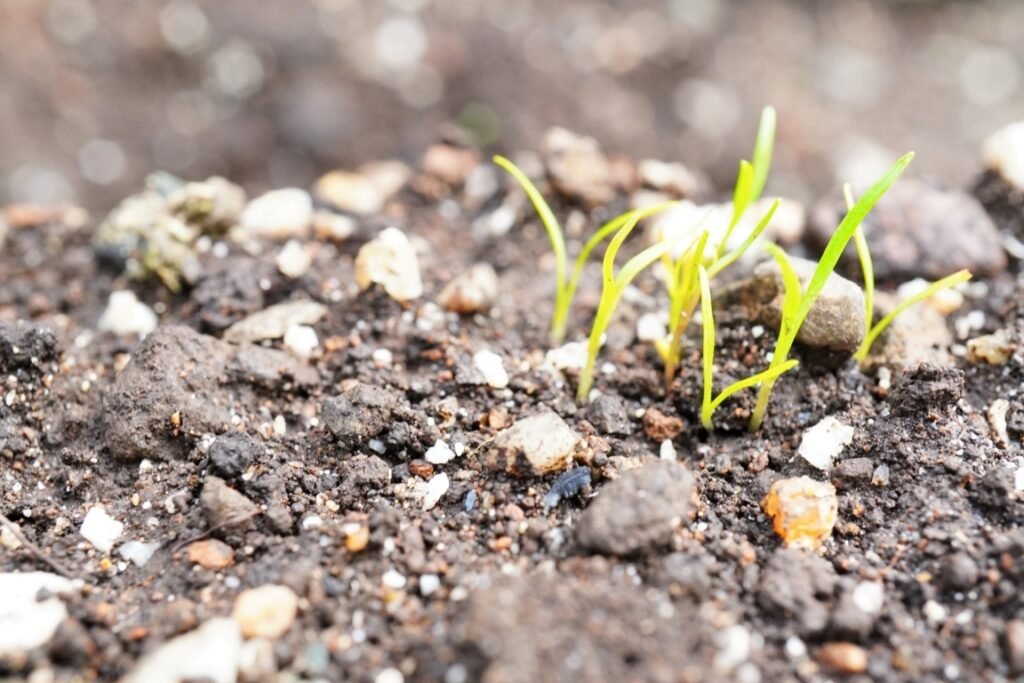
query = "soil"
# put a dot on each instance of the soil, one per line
(308, 470)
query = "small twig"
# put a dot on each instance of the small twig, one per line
(223, 525)
(36, 550)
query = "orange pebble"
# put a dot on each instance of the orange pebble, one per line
(803, 510)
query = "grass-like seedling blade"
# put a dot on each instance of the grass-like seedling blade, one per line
(554, 230)
(730, 258)
(867, 267)
(611, 292)
(833, 250)
(763, 145)
(709, 405)
(934, 288)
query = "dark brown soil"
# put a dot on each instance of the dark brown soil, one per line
(694, 586)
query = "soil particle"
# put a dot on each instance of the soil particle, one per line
(232, 453)
(926, 388)
(639, 510)
(686, 574)
(797, 587)
(608, 414)
(917, 230)
(266, 612)
(168, 394)
(275, 321)
(845, 657)
(534, 445)
(562, 629)
(223, 506)
(661, 427)
(474, 291)
(853, 472)
(270, 369)
(211, 554)
(360, 413)
(1003, 202)
(365, 471)
(229, 290)
(25, 348)
(997, 489)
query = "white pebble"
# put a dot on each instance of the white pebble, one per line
(301, 341)
(389, 676)
(667, 450)
(434, 490)
(650, 328)
(439, 453)
(125, 315)
(382, 358)
(390, 260)
(100, 529)
(869, 596)
(1004, 153)
(824, 441)
(492, 368)
(279, 214)
(294, 260)
(934, 612)
(571, 356)
(429, 584)
(137, 553)
(393, 579)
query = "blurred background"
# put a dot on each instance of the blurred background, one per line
(95, 94)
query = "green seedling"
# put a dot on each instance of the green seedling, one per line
(566, 282)
(796, 303)
(872, 332)
(681, 273)
(613, 285)
(708, 404)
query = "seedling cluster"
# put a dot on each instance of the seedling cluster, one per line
(690, 263)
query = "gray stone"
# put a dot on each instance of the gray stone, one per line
(608, 414)
(835, 321)
(958, 572)
(224, 506)
(917, 230)
(639, 510)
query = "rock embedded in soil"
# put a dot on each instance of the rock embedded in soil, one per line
(803, 511)
(365, 471)
(638, 511)
(577, 167)
(848, 658)
(821, 444)
(474, 291)
(926, 388)
(835, 321)
(917, 230)
(275, 321)
(168, 394)
(853, 472)
(278, 214)
(390, 261)
(30, 610)
(126, 315)
(209, 653)
(223, 506)
(537, 444)
(561, 628)
(266, 612)
(797, 586)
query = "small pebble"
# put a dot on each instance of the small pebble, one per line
(294, 260)
(275, 321)
(434, 490)
(667, 451)
(301, 341)
(439, 453)
(994, 349)
(390, 261)
(570, 356)
(803, 510)
(822, 443)
(211, 554)
(266, 612)
(429, 584)
(471, 292)
(846, 657)
(650, 328)
(100, 529)
(126, 315)
(492, 368)
(137, 553)
(389, 676)
(1003, 152)
(279, 214)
